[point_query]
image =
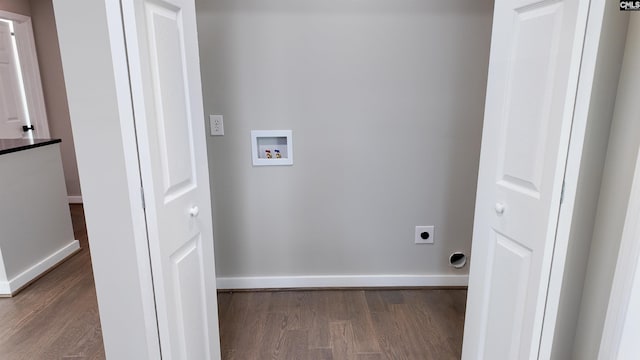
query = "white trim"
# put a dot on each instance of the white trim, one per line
(340, 281)
(572, 174)
(75, 199)
(95, 68)
(7, 288)
(26, 44)
(13, 16)
(129, 147)
(624, 291)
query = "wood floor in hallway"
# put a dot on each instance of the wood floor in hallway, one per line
(342, 324)
(56, 317)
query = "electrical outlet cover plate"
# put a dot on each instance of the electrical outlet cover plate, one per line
(430, 238)
(216, 122)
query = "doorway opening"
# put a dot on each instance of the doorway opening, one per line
(22, 106)
(16, 120)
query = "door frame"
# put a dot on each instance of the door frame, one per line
(583, 175)
(93, 50)
(28, 58)
(102, 122)
(572, 174)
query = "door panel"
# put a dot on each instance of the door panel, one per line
(189, 278)
(165, 81)
(514, 260)
(532, 54)
(170, 90)
(528, 113)
(12, 111)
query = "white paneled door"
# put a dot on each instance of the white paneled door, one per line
(164, 69)
(12, 111)
(534, 65)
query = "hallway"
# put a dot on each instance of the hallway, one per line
(56, 317)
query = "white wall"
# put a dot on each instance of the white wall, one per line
(608, 48)
(385, 100)
(629, 346)
(55, 95)
(622, 323)
(624, 141)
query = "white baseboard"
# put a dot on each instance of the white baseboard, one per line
(75, 199)
(340, 281)
(7, 288)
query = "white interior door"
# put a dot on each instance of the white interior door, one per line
(535, 57)
(12, 110)
(165, 81)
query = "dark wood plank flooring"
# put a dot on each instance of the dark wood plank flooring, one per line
(342, 324)
(56, 317)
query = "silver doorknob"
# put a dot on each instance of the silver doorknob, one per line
(194, 211)
(499, 208)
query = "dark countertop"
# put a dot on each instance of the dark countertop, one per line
(13, 145)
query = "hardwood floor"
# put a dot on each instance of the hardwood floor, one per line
(56, 317)
(347, 324)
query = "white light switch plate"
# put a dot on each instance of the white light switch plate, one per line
(216, 122)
